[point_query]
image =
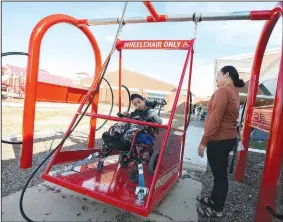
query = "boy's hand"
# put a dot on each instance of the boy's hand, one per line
(125, 113)
(152, 114)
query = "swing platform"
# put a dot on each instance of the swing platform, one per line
(112, 185)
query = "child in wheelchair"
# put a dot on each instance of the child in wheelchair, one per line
(120, 136)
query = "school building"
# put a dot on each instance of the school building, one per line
(268, 73)
(148, 87)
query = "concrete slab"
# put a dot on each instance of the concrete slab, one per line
(47, 202)
(180, 203)
(193, 138)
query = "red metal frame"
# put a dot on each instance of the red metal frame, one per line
(151, 10)
(31, 82)
(155, 194)
(253, 86)
(120, 79)
(126, 120)
(187, 110)
(261, 15)
(274, 154)
(274, 151)
(168, 130)
(48, 92)
(155, 17)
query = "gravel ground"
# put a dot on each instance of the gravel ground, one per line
(13, 178)
(242, 197)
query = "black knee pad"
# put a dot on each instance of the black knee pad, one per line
(106, 137)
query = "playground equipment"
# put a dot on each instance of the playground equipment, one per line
(11, 82)
(110, 186)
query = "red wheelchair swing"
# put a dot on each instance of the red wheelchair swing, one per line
(168, 168)
(112, 186)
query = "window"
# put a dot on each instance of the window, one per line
(156, 97)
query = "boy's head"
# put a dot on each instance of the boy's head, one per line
(138, 101)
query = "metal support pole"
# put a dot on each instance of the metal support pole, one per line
(32, 77)
(274, 150)
(187, 109)
(225, 16)
(163, 146)
(240, 169)
(120, 79)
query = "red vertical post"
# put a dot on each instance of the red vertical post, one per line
(187, 110)
(163, 146)
(274, 151)
(32, 77)
(120, 78)
(251, 100)
(92, 128)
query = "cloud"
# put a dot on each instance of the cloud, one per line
(242, 32)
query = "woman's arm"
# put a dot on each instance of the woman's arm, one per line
(219, 104)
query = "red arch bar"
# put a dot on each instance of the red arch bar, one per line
(274, 151)
(31, 82)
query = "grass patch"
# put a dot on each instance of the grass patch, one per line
(258, 144)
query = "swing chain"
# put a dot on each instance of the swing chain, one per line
(196, 19)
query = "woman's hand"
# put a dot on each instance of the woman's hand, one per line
(201, 149)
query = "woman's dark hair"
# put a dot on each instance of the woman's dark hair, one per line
(133, 96)
(233, 73)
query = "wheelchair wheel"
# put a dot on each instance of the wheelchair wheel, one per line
(153, 162)
(123, 161)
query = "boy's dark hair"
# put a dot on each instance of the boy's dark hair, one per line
(133, 96)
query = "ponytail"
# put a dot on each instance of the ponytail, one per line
(239, 83)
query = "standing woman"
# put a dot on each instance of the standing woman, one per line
(220, 136)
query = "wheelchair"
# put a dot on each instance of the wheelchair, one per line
(141, 149)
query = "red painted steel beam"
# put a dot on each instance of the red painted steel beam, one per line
(32, 76)
(72, 156)
(261, 15)
(253, 87)
(151, 10)
(187, 110)
(162, 150)
(75, 155)
(120, 79)
(49, 92)
(126, 120)
(274, 150)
